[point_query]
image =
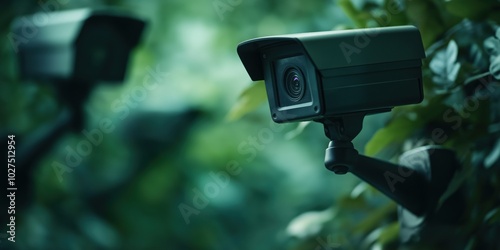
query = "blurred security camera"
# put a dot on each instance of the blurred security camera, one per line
(311, 76)
(81, 45)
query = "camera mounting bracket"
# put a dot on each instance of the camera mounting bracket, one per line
(416, 183)
(344, 128)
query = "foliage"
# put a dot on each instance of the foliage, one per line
(251, 98)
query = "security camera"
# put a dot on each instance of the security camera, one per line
(81, 45)
(74, 50)
(312, 76)
(338, 77)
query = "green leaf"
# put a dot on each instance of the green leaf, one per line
(359, 17)
(351, 203)
(456, 182)
(309, 223)
(376, 217)
(426, 15)
(437, 64)
(445, 65)
(493, 156)
(405, 122)
(452, 65)
(492, 46)
(389, 234)
(478, 56)
(495, 67)
(394, 133)
(451, 53)
(383, 235)
(493, 217)
(470, 8)
(251, 98)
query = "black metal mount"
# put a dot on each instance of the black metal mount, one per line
(416, 183)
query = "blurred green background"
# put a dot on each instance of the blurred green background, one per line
(198, 164)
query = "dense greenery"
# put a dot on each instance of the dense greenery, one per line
(197, 165)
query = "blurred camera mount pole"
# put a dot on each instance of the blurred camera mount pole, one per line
(74, 50)
(416, 184)
(70, 118)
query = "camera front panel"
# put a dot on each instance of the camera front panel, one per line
(291, 83)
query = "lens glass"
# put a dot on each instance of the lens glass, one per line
(294, 84)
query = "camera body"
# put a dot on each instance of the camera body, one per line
(81, 45)
(312, 76)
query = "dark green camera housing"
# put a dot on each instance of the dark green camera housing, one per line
(82, 45)
(311, 76)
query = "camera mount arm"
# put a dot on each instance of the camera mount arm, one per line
(416, 184)
(402, 184)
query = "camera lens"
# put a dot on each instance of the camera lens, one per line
(294, 84)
